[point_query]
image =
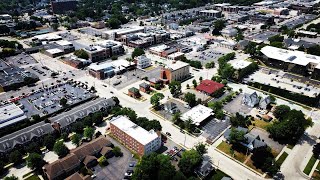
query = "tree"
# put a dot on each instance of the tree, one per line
(263, 159)
(154, 166)
(290, 128)
(276, 38)
(251, 48)
(175, 88)
(240, 120)
(87, 121)
(236, 136)
(239, 36)
(189, 124)
(218, 26)
(226, 71)
(60, 149)
(81, 54)
(155, 100)
(281, 111)
(190, 98)
(176, 117)
(63, 102)
(189, 161)
(97, 117)
(76, 139)
(209, 65)
(15, 157)
(48, 141)
(77, 127)
(137, 52)
(117, 151)
(201, 148)
(35, 161)
(200, 78)
(219, 114)
(4, 29)
(316, 150)
(55, 26)
(12, 177)
(88, 132)
(113, 23)
(33, 147)
(194, 82)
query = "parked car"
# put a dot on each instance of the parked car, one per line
(167, 133)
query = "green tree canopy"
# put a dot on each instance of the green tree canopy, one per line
(15, 157)
(175, 88)
(76, 139)
(88, 132)
(35, 161)
(240, 120)
(48, 141)
(201, 148)
(137, 52)
(281, 111)
(190, 98)
(189, 162)
(155, 99)
(60, 149)
(81, 54)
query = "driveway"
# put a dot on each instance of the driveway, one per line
(236, 106)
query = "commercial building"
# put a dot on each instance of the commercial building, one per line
(175, 56)
(142, 62)
(62, 6)
(115, 48)
(136, 138)
(210, 13)
(109, 68)
(116, 33)
(24, 136)
(76, 62)
(175, 71)
(10, 114)
(83, 155)
(209, 87)
(229, 32)
(294, 61)
(97, 53)
(197, 114)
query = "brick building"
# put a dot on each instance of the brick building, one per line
(134, 137)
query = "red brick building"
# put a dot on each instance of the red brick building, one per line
(209, 87)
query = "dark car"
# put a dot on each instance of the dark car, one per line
(167, 133)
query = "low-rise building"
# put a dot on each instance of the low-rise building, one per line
(209, 87)
(109, 68)
(144, 87)
(10, 114)
(134, 92)
(136, 138)
(175, 71)
(229, 32)
(97, 53)
(250, 100)
(210, 13)
(197, 114)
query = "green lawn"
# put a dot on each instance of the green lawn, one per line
(33, 177)
(216, 175)
(226, 148)
(310, 165)
(282, 158)
(260, 123)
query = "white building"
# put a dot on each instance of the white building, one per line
(197, 114)
(143, 62)
(10, 114)
(133, 136)
(229, 32)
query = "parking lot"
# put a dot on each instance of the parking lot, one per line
(41, 71)
(206, 56)
(117, 165)
(236, 106)
(214, 127)
(173, 150)
(21, 60)
(47, 101)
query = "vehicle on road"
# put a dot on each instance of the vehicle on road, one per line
(167, 133)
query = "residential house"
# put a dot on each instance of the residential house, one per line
(250, 100)
(171, 107)
(265, 102)
(205, 169)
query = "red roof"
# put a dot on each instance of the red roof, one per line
(209, 86)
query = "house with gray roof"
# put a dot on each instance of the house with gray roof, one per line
(24, 136)
(250, 141)
(204, 169)
(63, 121)
(265, 102)
(250, 100)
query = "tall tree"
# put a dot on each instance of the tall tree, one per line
(15, 157)
(155, 100)
(35, 161)
(60, 149)
(76, 139)
(175, 88)
(137, 52)
(189, 162)
(88, 132)
(190, 98)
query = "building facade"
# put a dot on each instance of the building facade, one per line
(176, 71)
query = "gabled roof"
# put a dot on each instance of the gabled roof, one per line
(144, 85)
(88, 159)
(251, 99)
(105, 150)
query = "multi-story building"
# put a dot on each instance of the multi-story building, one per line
(115, 48)
(97, 53)
(143, 62)
(134, 137)
(175, 71)
(210, 13)
(109, 68)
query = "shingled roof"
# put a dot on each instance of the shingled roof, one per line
(25, 135)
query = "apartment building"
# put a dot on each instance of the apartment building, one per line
(133, 136)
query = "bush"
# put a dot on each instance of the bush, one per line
(117, 151)
(103, 161)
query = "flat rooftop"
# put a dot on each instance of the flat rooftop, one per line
(138, 133)
(197, 114)
(209, 11)
(117, 64)
(10, 114)
(175, 65)
(240, 64)
(295, 57)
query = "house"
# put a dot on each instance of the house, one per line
(144, 87)
(154, 81)
(77, 176)
(242, 44)
(90, 161)
(143, 62)
(204, 169)
(171, 107)
(250, 141)
(134, 92)
(250, 99)
(209, 87)
(265, 102)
